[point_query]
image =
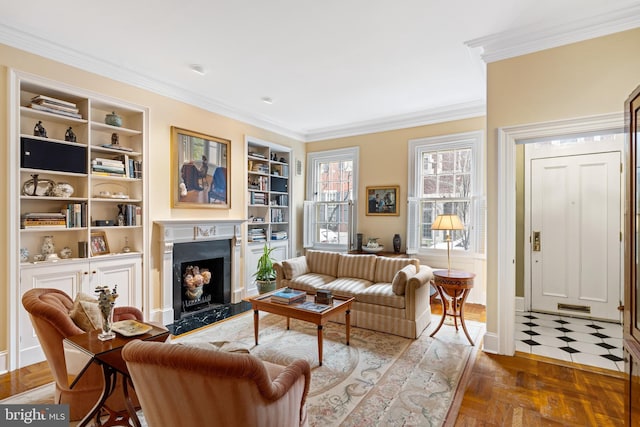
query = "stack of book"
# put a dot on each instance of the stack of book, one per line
(257, 235)
(113, 167)
(279, 235)
(257, 198)
(44, 219)
(289, 296)
(55, 106)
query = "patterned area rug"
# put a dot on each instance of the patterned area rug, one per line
(378, 380)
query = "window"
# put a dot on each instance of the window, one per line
(329, 211)
(445, 177)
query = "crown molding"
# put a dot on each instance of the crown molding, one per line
(42, 47)
(414, 119)
(531, 39)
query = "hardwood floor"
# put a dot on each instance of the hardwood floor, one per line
(499, 391)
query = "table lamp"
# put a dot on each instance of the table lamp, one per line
(447, 222)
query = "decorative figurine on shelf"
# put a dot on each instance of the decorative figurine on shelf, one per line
(48, 247)
(65, 253)
(121, 217)
(397, 243)
(115, 139)
(274, 157)
(39, 130)
(106, 302)
(69, 135)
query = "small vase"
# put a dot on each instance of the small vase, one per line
(48, 247)
(107, 321)
(397, 242)
(113, 119)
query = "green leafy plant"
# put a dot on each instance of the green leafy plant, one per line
(265, 271)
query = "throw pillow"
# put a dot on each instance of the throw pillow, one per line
(85, 312)
(295, 267)
(400, 279)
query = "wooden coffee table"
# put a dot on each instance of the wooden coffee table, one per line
(340, 305)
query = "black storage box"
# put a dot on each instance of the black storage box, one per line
(55, 156)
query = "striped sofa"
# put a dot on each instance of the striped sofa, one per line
(391, 294)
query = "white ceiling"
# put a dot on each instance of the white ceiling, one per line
(333, 68)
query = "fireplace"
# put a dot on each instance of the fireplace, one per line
(197, 246)
(201, 276)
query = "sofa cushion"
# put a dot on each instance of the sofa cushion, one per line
(401, 277)
(295, 267)
(357, 266)
(380, 294)
(386, 268)
(85, 312)
(309, 282)
(323, 262)
(347, 286)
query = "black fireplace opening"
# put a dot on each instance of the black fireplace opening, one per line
(201, 276)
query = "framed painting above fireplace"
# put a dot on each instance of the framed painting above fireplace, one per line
(199, 170)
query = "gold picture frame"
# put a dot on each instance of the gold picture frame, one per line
(200, 170)
(98, 243)
(383, 200)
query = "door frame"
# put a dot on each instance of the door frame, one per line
(502, 341)
(531, 153)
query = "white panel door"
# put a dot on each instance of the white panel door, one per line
(575, 234)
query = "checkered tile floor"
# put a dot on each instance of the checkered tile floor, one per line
(570, 339)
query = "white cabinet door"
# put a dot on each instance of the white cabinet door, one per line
(67, 277)
(125, 273)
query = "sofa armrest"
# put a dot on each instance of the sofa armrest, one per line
(423, 275)
(417, 292)
(277, 266)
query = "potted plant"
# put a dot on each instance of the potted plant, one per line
(265, 274)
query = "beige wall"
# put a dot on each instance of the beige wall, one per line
(164, 113)
(384, 161)
(577, 80)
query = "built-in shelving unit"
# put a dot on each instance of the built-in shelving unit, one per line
(102, 223)
(268, 202)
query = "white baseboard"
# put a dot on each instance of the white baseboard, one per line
(519, 303)
(4, 368)
(490, 343)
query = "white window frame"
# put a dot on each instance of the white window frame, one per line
(417, 147)
(343, 154)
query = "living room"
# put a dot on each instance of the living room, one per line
(583, 78)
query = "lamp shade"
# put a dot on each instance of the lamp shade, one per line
(447, 222)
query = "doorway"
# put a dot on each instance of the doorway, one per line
(573, 223)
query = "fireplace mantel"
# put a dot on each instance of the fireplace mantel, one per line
(184, 231)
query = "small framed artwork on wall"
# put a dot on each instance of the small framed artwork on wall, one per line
(383, 200)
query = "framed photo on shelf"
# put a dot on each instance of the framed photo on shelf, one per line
(383, 200)
(200, 170)
(98, 244)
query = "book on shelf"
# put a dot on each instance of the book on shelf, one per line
(52, 100)
(55, 111)
(312, 306)
(56, 106)
(116, 147)
(288, 296)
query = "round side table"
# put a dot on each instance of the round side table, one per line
(454, 287)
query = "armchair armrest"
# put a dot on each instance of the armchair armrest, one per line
(127, 313)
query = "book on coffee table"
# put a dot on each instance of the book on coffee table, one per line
(312, 306)
(289, 296)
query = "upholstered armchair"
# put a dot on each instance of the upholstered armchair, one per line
(195, 386)
(49, 311)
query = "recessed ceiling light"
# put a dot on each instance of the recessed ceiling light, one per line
(198, 69)
(267, 100)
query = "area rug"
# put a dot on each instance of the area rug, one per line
(378, 380)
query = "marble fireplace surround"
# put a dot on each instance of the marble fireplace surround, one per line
(184, 231)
